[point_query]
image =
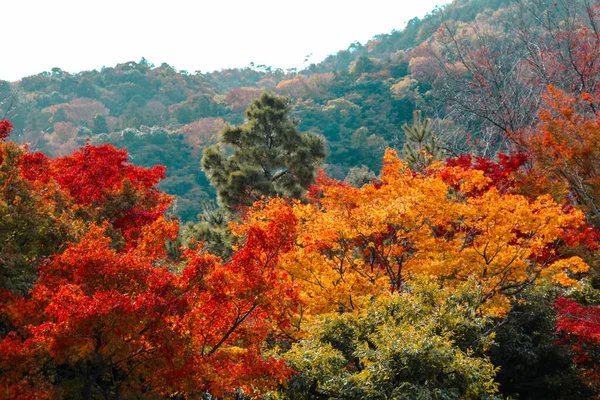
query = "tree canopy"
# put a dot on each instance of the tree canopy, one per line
(268, 157)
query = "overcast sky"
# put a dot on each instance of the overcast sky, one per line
(201, 35)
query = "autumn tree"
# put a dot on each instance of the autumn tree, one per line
(5, 129)
(269, 156)
(123, 324)
(533, 76)
(103, 322)
(64, 139)
(356, 243)
(565, 151)
(104, 187)
(202, 133)
(491, 73)
(240, 99)
(80, 110)
(301, 86)
(562, 43)
(479, 78)
(579, 328)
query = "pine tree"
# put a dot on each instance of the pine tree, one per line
(99, 124)
(422, 144)
(212, 229)
(267, 156)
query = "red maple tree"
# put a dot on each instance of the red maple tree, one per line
(579, 328)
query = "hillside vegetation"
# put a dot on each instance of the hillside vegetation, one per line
(357, 99)
(417, 217)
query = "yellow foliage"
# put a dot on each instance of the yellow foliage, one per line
(356, 243)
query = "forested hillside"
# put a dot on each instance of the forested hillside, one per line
(357, 99)
(417, 217)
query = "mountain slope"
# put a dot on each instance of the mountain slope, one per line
(358, 99)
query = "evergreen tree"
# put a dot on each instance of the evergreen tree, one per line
(212, 229)
(60, 115)
(360, 176)
(265, 156)
(422, 145)
(99, 124)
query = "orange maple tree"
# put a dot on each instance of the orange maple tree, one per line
(565, 149)
(449, 224)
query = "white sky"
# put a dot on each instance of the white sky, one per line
(204, 35)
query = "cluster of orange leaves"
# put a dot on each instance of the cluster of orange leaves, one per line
(448, 224)
(565, 147)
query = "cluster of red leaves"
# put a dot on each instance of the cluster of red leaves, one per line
(315, 191)
(124, 321)
(579, 327)
(158, 332)
(5, 129)
(501, 173)
(99, 180)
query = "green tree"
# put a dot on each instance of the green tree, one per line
(212, 229)
(60, 115)
(422, 343)
(532, 365)
(99, 124)
(265, 156)
(422, 145)
(360, 176)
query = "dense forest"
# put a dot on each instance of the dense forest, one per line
(416, 217)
